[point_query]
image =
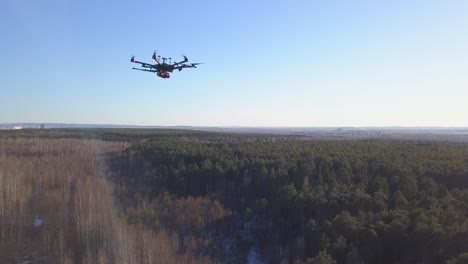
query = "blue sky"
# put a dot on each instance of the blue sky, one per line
(267, 63)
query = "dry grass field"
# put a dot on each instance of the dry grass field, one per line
(56, 206)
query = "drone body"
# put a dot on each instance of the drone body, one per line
(162, 69)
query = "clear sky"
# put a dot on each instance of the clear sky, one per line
(267, 63)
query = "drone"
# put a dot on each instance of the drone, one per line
(162, 69)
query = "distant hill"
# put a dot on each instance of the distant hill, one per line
(336, 131)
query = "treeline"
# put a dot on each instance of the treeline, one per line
(313, 201)
(135, 135)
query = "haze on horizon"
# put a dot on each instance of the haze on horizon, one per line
(267, 63)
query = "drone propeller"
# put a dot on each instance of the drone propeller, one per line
(194, 65)
(154, 57)
(132, 59)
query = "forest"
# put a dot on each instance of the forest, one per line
(176, 196)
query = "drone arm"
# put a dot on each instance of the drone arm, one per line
(143, 64)
(180, 67)
(143, 70)
(180, 62)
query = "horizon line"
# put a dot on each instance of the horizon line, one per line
(225, 126)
